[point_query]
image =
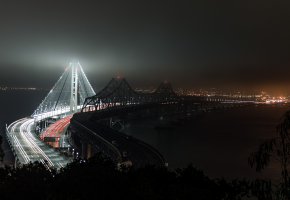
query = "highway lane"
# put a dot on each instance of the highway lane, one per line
(56, 129)
(29, 148)
(55, 133)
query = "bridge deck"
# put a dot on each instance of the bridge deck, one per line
(29, 148)
(138, 152)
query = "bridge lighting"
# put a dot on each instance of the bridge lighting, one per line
(61, 92)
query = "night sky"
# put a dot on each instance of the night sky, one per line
(191, 43)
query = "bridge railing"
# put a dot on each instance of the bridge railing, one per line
(53, 113)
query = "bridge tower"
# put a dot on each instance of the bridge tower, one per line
(67, 95)
(74, 88)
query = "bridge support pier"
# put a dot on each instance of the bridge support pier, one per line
(87, 151)
(84, 150)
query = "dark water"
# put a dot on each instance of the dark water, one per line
(217, 142)
(18, 104)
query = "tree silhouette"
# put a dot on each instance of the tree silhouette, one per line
(277, 148)
(100, 178)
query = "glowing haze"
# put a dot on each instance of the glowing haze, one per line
(189, 42)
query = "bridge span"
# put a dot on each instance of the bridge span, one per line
(91, 128)
(92, 135)
(73, 94)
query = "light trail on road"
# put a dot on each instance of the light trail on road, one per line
(29, 148)
(57, 128)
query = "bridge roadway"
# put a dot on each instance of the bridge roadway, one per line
(29, 148)
(117, 143)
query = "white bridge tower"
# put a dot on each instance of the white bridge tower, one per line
(74, 88)
(68, 94)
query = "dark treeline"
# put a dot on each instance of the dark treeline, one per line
(276, 149)
(100, 178)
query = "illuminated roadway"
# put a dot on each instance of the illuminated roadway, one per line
(57, 128)
(29, 148)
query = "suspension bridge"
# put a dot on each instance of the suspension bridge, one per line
(71, 117)
(32, 138)
(64, 99)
